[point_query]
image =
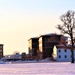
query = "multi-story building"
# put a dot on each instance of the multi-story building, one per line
(42, 46)
(33, 46)
(47, 42)
(62, 53)
(1, 51)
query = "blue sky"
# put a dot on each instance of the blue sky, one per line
(37, 5)
(23, 19)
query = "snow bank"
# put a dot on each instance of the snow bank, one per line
(56, 68)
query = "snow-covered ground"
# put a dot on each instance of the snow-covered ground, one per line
(42, 68)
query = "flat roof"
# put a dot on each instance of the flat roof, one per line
(33, 38)
(49, 34)
(1, 44)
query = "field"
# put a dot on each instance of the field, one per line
(51, 68)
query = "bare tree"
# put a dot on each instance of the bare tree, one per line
(68, 27)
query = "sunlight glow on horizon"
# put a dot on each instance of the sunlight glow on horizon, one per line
(22, 19)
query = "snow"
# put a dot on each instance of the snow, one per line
(41, 68)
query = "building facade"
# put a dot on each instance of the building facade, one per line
(1, 51)
(42, 46)
(47, 42)
(62, 53)
(33, 46)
